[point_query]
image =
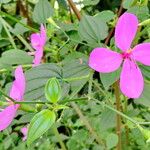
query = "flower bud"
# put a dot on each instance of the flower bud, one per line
(53, 90)
(27, 108)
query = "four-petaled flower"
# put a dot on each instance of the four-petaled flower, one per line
(105, 61)
(38, 41)
(17, 93)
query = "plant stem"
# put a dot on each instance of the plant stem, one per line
(85, 121)
(19, 37)
(87, 124)
(41, 102)
(8, 33)
(76, 78)
(18, 21)
(112, 30)
(126, 126)
(24, 66)
(74, 8)
(11, 99)
(59, 138)
(90, 85)
(116, 111)
(118, 117)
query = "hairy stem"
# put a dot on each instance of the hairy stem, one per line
(41, 102)
(59, 138)
(23, 66)
(74, 8)
(112, 30)
(8, 33)
(18, 21)
(126, 126)
(118, 117)
(87, 124)
(118, 112)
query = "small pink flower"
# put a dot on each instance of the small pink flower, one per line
(24, 131)
(38, 41)
(104, 60)
(16, 92)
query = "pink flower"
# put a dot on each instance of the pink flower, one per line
(16, 92)
(24, 131)
(38, 41)
(105, 61)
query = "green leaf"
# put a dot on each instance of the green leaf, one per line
(142, 12)
(111, 140)
(42, 11)
(4, 42)
(107, 119)
(40, 123)
(15, 57)
(20, 29)
(127, 3)
(62, 3)
(105, 15)
(76, 70)
(53, 90)
(90, 2)
(38, 76)
(139, 2)
(109, 78)
(146, 72)
(145, 97)
(92, 29)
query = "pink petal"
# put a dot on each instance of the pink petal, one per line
(36, 41)
(125, 32)
(6, 116)
(24, 131)
(141, 53)
(43, 34)
(131, 79)
(38, 57)
(104, 60)
(18, 86)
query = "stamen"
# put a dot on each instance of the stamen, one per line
(129, 51)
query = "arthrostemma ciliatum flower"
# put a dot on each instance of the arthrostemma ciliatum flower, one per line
(38, 41)
(105, 60)
(17, 92)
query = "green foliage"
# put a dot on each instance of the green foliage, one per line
(19, 29)
(40, 123)
(85, 124)
(109, 78)
(144, 99)
(111, 140)
(105, 15)
(5, 1)
(42, 11)
(37, 78)
(90, 2)
(14, 57)
(92, 29)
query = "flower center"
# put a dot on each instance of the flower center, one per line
(126, 54)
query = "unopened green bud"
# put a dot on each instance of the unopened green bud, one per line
(27, 108)
(51, 21)
(53, 90)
